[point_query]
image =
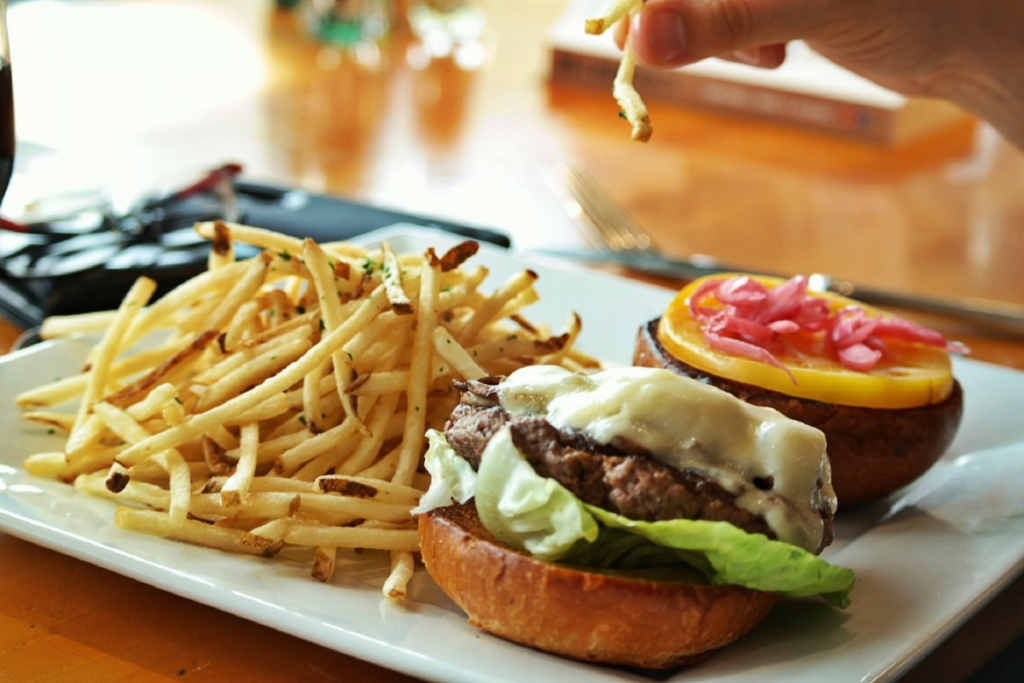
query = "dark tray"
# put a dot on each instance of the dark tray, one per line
(92, 271)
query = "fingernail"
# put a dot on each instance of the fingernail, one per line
(750, 55)
(665, 36)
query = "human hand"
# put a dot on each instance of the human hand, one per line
(962, 50)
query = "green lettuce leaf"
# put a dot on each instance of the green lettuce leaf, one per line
(539, 515)
(451, 477)
(525, 510)
(737, 557)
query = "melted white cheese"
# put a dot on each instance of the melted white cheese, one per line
(688, 425)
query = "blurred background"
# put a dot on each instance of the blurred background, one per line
(133, 94)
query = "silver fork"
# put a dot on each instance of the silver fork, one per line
(630, 246)
(606, 218)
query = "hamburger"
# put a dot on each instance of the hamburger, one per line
(632, 516)
(880, 388)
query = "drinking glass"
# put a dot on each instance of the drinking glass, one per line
(449, 28)
(6, 106)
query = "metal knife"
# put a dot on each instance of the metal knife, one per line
(1003, 316)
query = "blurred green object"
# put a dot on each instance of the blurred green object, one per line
(348, 23)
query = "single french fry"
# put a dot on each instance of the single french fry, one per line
(120, 422)
(331, 309)
(614, 11)
(385, 467)
(513, 346)
(54, 420)
(400, 302)
(180, 484)
(630, 102)
(274, 405)
(96, 385)
(419, 372)
(367, 487)
(242, 290)
(402, 567)
(379, 383)
(353, 537)
(65, 325)
(334, 509)
(368, 449)
(236, 488)
(95, 484)
(243, 322)
(455, 354)
(459, 254)
(199, 533)
(170, 371)
(268, 533)
(517, 303)
(265, 483)
(206, 285)
(271, 449)
(257, 505)
(173, 412)
(154, 402)
(306, 450)
(222, 249)
(257, 237)
(493, 304)
(572, 332)
(252, 373)
(62, 390)
(323, 564)
(84, 437)
(311, 398)
(51, 465)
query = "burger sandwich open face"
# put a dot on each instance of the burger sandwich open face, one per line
(633, 516)
(881, 388)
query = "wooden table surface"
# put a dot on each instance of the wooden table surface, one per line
(121, 91)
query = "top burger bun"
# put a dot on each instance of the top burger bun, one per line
(874, 451)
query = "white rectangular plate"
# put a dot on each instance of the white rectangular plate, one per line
(925, 560)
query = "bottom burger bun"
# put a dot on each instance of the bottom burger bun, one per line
(585, 615)
(873, 451)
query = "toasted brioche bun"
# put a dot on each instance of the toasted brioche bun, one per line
(873, 451)
(594, 617)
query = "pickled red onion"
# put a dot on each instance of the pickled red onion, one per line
(752, 320)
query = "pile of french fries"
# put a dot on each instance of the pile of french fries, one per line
(281, 401)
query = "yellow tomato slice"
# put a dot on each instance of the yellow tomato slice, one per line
(909, 375)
